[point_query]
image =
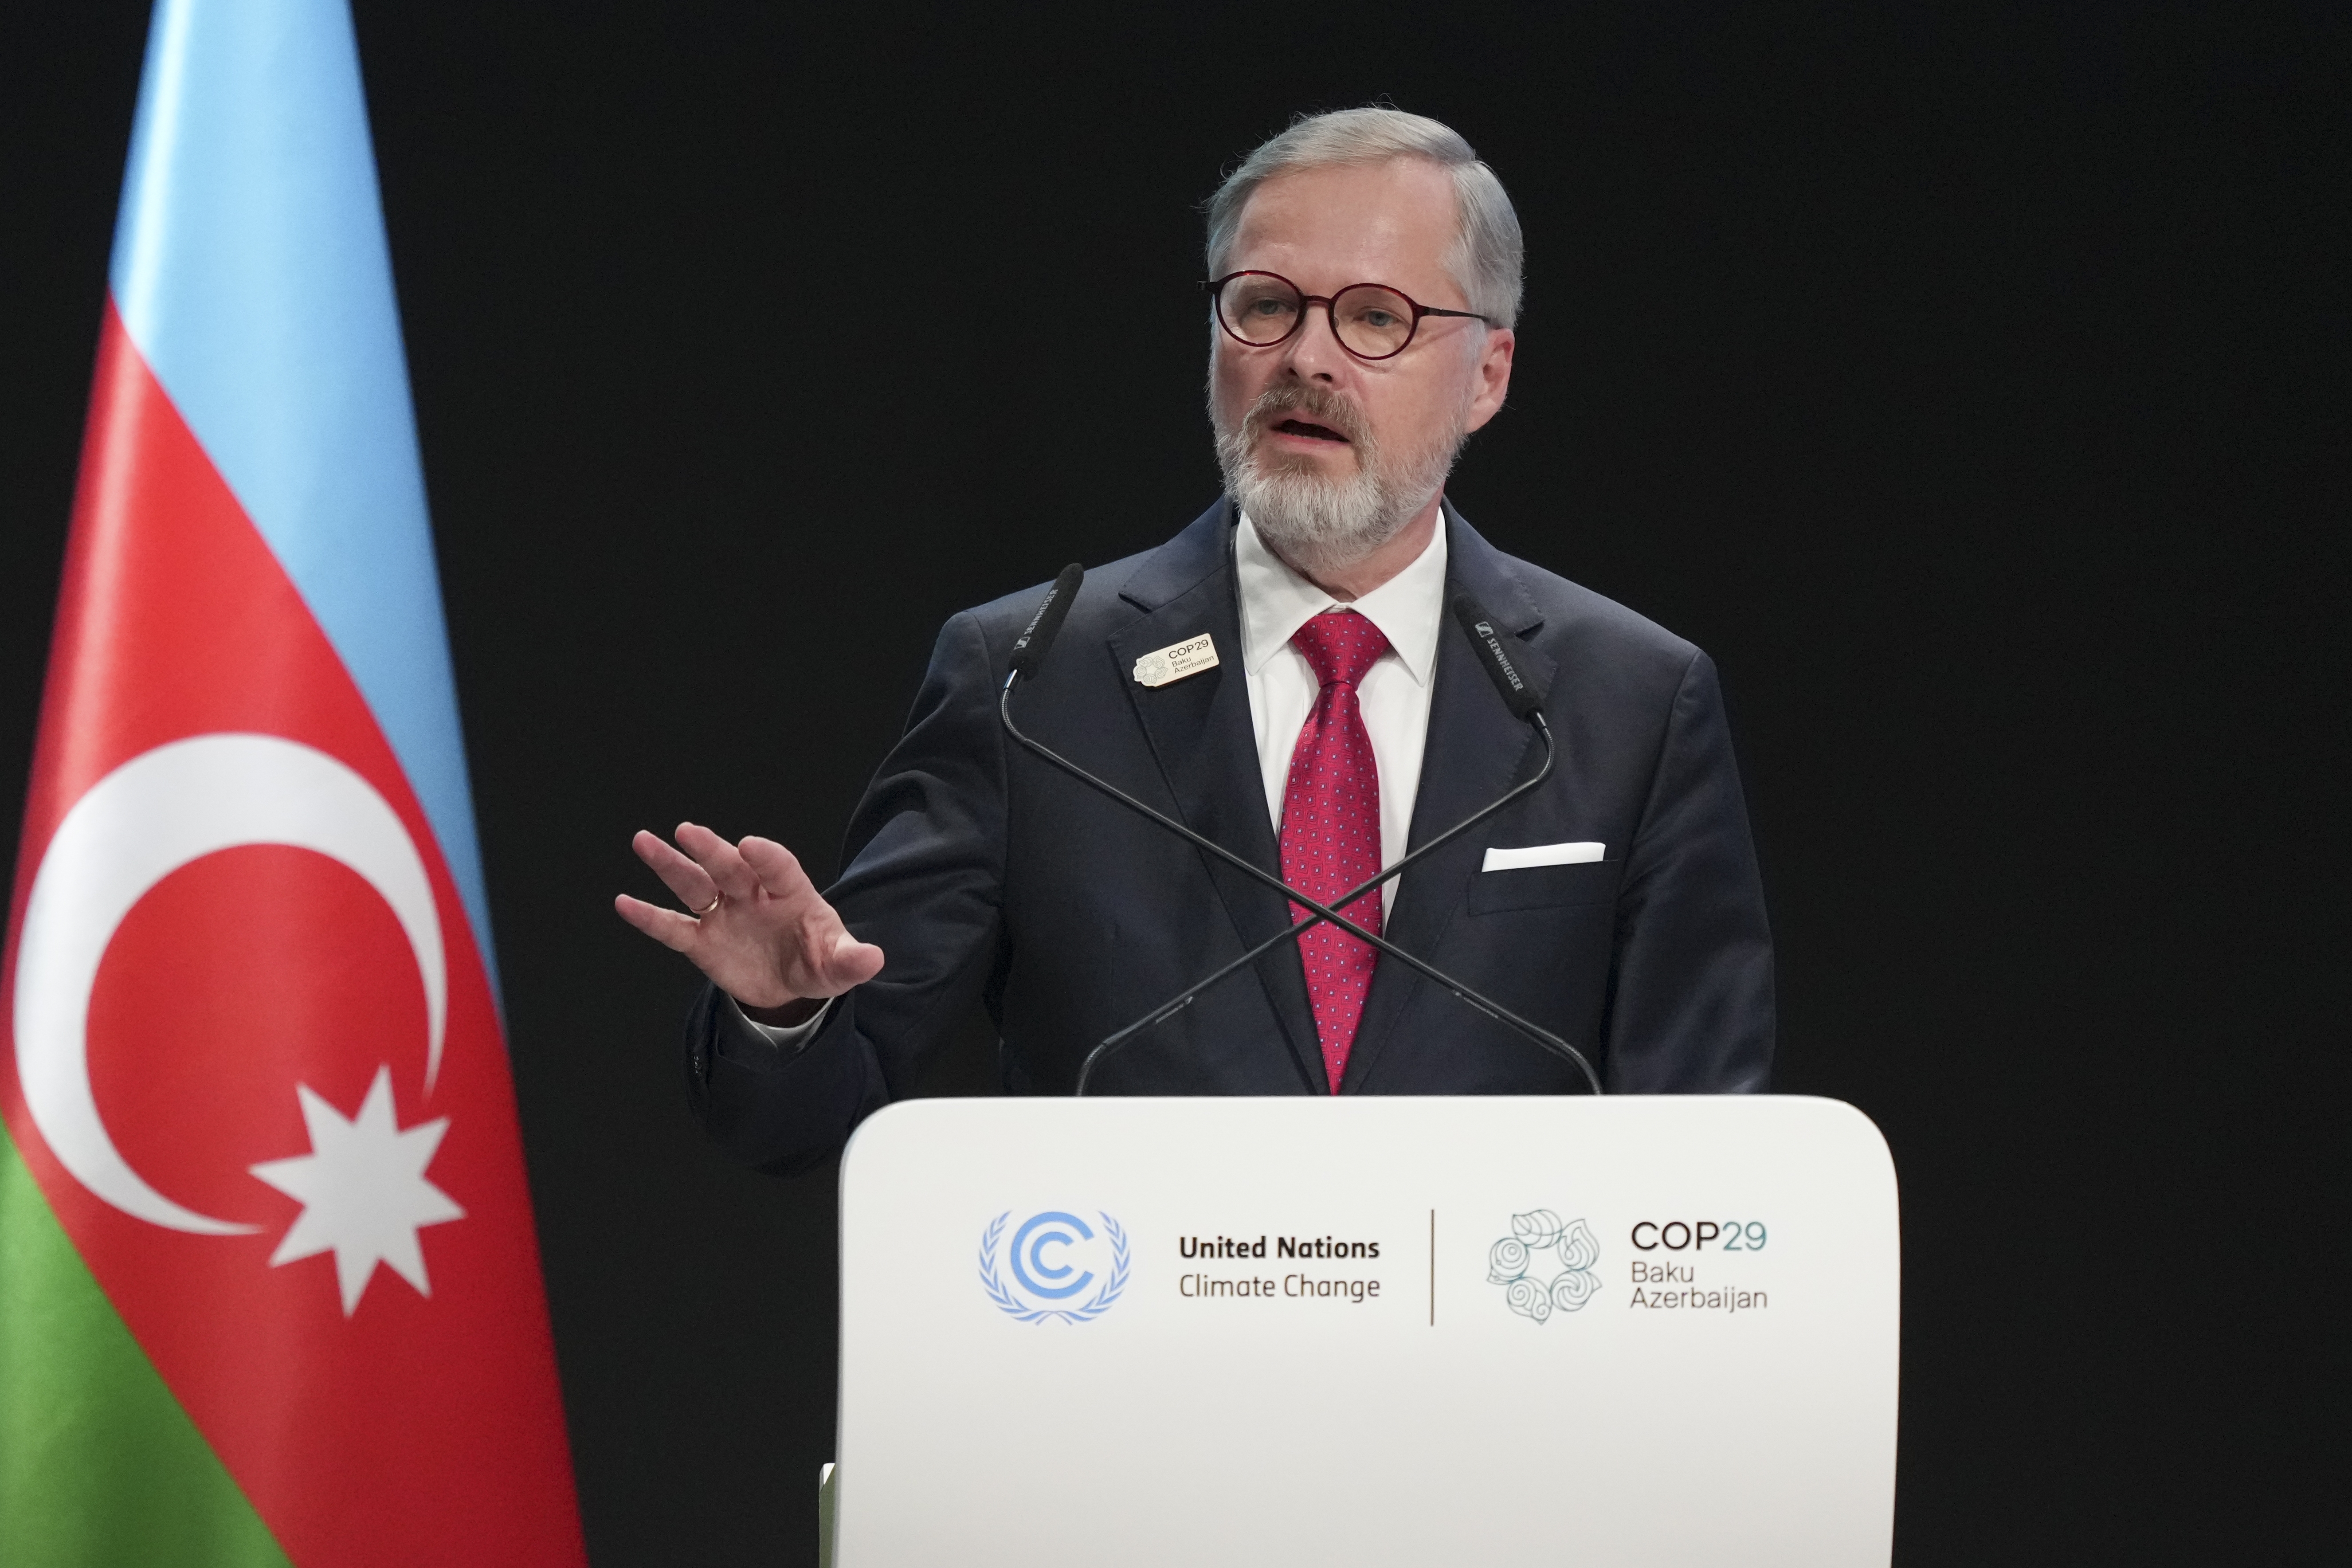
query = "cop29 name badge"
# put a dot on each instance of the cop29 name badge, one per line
(1061, 1267)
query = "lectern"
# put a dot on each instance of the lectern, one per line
(1370, 1331)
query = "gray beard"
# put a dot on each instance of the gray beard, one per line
(1321, 525)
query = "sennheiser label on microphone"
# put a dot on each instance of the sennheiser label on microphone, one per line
(1176, 661)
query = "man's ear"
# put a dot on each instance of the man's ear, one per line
(1493, 377)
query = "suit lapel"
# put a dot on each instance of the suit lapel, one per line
(1475, 751)
(1206, 746)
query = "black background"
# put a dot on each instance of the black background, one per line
(1969, 383)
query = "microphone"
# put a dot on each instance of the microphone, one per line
(1523, 701)
(1526, 702)
(1030, 652)
(1029, 649)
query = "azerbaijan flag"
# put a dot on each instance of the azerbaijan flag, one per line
(270, 1291)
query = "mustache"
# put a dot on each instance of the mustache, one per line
(1307, 401)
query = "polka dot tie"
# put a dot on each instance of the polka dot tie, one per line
(1331, 826)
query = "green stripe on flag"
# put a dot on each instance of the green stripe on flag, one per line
(98, 1464)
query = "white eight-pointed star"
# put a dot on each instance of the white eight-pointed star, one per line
(362, 1190)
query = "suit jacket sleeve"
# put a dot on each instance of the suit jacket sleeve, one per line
(925, 871)
(1690, 1007)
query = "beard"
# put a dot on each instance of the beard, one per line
(1317, 523)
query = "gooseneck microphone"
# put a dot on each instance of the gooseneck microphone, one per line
(1524, 699)
(1029, 654)
(1030, 647)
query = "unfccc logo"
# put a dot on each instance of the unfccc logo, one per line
(1056, 1258)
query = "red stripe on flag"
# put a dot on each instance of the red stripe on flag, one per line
(418, 1428)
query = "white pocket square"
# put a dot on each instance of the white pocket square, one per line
(1543, 855)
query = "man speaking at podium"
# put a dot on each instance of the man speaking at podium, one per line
(1284, 678)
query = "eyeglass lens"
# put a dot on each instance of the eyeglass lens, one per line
(1370, 321)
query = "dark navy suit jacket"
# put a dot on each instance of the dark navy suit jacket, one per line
(981, 871)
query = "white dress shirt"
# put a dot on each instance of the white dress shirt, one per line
(1393, 696)
(1409, 608)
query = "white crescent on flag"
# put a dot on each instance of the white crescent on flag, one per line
(146, 819)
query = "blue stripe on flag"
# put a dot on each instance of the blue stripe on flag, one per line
(250, 269)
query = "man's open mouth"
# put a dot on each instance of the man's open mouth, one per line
(1311, 432)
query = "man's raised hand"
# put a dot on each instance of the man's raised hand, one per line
(759, 929)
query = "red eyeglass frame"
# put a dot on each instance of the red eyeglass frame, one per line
(1330, 303)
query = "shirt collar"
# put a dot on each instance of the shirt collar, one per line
(1276, 601)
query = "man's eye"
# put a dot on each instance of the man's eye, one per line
(1264, 308)
(1380, 318)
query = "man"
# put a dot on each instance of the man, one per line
(1366, 275)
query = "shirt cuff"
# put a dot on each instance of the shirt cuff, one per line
(735, 1028)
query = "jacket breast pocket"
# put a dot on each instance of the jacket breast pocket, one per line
(1543, 887)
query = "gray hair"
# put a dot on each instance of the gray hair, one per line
(1487, 253)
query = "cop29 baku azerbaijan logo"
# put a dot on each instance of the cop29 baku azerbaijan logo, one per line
(1536, 1286)
(1049, 1257)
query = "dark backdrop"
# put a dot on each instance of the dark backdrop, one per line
(1959, 379)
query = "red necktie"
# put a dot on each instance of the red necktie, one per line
(1331, 826)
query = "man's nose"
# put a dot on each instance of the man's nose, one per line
(1313, 353)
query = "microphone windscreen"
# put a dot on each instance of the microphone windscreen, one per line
(1496, 652)
(1030, 648)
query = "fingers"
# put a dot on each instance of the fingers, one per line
(777, 868)
(720, 859)
(817, 957)
(668, 927)
(681, 876)
(851, 962)
(705, 865)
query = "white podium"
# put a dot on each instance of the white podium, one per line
(1367, 1331)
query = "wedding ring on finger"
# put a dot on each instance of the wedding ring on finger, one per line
(715, 899)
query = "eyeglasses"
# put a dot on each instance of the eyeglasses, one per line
(1372, 321)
